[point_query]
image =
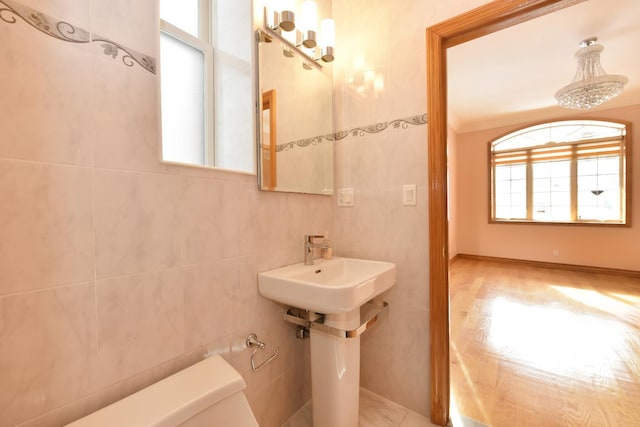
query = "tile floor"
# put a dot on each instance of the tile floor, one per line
(375, 411)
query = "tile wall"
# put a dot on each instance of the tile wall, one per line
(380, 76)
(395, 353)
(117, 269)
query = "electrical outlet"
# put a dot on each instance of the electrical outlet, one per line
(556, 252)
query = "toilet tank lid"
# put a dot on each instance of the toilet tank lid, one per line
(172, 400)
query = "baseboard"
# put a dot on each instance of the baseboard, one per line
(558, 266)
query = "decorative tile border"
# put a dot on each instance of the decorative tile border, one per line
(67, 32)
(129, 56)
(49, 25)
(403, 123)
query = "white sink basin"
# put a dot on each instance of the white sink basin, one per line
(336, 285)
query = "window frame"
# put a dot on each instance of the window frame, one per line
(625, 171)
(205, 44)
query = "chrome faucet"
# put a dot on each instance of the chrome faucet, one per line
(309, 246)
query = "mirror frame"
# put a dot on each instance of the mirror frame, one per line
(471, 25)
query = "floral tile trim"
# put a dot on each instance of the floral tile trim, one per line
(403, 123)
(65, 31)
(129, 56)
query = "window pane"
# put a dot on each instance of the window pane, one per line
(502, 173)
(503, 199)
(560, 213)
(575, 170)
(519, 172)
(599, 189)
(184, 14)
(519, 200)
(541, 169)
(541, 210)
(510, 212)
(503, 212)
(560, 168)
(587, 167)
(541, 200)
(519, 186)
(511, 205)
(587, 182)
(608, 182)
(182, 86)
(556, 168)
(503, 187)
(541, 213)
(511, 191)
(561, 183)
(605, 206)
(552, 206)
(560, 198)
(551, 191)
(608, 165)
(542, 185)
(558, 132)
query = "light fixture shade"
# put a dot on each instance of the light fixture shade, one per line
(328, 33)
(287, 15)
(309, 16)
(309, 23)
(286, 4)
(328, 39)
(591, 86)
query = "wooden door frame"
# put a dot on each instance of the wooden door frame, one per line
(269, 103)
(471, 25)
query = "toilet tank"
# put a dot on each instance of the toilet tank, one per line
(209, 393)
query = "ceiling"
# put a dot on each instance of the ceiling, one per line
(510, 77)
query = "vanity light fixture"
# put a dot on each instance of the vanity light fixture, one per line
(328, 39)
(285, 19)
(304, 37)
(309, 24)
(591, 85)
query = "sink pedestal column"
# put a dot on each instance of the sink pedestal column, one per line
(335, 373)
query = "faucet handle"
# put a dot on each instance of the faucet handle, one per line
(309, 237)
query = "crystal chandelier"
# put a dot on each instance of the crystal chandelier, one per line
(591, 86)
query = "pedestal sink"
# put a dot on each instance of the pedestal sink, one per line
(336, 289)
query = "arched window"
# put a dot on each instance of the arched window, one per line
(572, 171)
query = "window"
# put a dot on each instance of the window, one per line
(562, 172)
(186, 72)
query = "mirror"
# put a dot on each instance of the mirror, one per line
(268, 142)
(295, 119)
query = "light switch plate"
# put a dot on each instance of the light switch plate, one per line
(345, 197)
(409, 197)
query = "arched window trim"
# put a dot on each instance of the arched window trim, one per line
(567, 153)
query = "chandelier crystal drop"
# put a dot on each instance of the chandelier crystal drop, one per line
(591, 85)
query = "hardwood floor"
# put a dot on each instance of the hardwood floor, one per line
(542, 347)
